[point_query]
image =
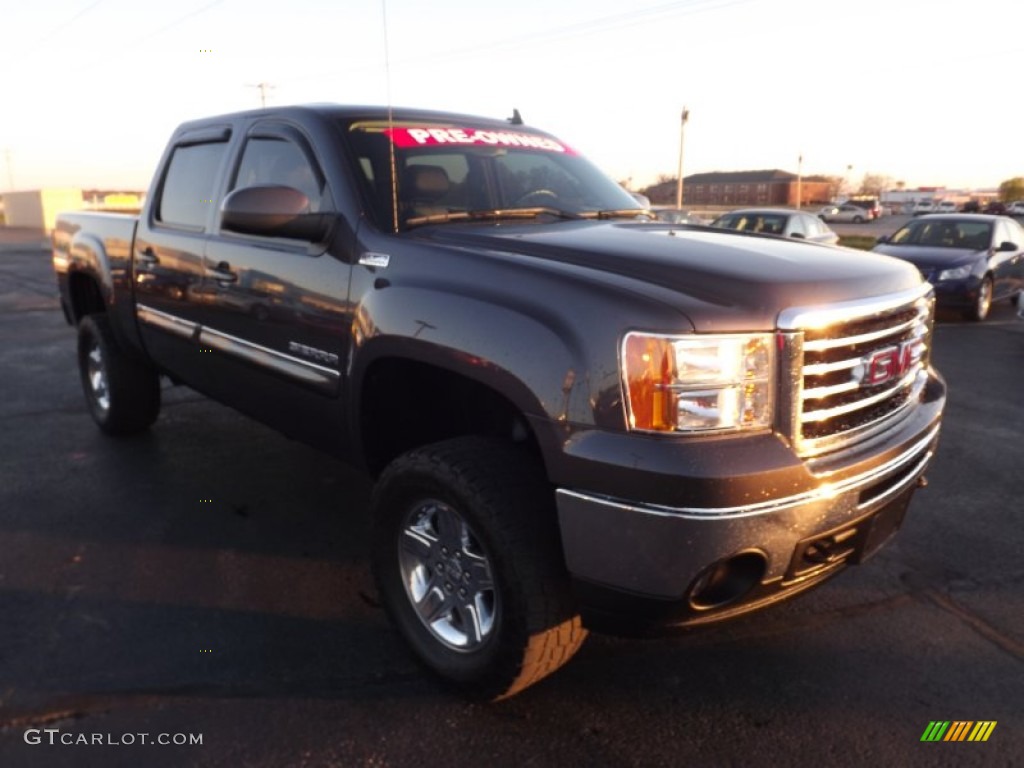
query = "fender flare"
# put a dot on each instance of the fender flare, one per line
(532, 359)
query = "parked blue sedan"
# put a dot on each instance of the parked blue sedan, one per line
(971, 259)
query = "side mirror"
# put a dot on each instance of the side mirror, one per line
(882, 239)
(1006, 245)
(273, 211)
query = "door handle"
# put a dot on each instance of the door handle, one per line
(222, 273)
(147, 256)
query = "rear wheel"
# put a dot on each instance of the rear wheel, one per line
(468, 562)
(123, 395)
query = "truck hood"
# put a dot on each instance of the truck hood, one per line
(724, 280)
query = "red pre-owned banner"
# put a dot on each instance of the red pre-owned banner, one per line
(406, 137)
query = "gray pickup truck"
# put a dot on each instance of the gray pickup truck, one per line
(576, 417)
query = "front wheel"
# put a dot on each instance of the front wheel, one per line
(123, 395)
(468, 562)
(983, 301)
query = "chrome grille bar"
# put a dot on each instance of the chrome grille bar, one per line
(864, 338)
(859, 366)
(841, 410)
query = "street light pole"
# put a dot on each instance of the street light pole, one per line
(679, 176)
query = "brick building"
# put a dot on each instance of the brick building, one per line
(740, 188)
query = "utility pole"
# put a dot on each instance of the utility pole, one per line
(264, 87)
(679, 177)
(799, 180)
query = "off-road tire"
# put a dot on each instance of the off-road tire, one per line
(501, 495)
(123, 395)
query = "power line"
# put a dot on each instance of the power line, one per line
(35, 45)
(580, 29)
(136, 42)
(178, 21)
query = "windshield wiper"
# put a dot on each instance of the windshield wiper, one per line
(529, 213)
(437, 218)
(492, 215)
(619, 213)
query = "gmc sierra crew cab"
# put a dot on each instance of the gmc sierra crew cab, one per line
(577, 417)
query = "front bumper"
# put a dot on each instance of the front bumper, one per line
(957, 294)
(653, 562)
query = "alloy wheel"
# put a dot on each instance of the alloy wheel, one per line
(96, 375)
(447, 576)
(984, 302)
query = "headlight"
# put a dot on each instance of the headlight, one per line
(698, 383)
(957, 273)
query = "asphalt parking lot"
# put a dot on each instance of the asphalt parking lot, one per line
(209, 578)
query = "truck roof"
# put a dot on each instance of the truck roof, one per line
(353, 112)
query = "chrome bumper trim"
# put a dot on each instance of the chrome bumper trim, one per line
(919, 453)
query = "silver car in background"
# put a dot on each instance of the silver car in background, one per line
(783, 222)
(844, 212)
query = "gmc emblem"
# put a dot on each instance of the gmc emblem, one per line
(886, 364)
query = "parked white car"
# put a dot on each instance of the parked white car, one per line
(1016, 209)
(945, 206)
(922, 207)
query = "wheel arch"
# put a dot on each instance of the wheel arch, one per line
(90, 278)
(85, 296)
(406, 401)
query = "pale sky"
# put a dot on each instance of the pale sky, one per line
(926, 92)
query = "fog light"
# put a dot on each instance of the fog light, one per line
(727, 580)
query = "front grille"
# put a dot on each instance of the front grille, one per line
(860, 369)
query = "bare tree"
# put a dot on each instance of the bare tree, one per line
(875, 184)
(835, 186)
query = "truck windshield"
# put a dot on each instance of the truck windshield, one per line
(442, 172)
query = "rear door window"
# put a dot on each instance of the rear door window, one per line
(189, 185)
